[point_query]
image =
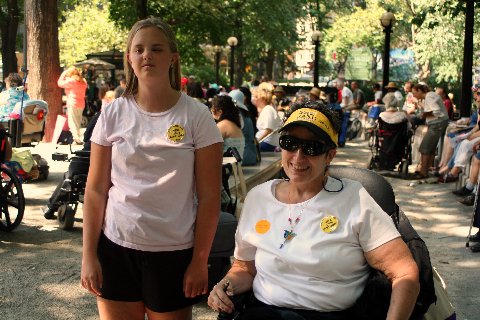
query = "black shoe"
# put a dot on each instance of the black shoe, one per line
(468, 200)
(462, 192)
(475, 247)
(475, 237)
(48, 213)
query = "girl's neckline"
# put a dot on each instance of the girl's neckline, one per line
(161, 112)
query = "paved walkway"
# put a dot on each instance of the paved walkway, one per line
(432, 208)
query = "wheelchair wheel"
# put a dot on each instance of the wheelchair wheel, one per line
(12, 200)
(354, 129)
(66, 216)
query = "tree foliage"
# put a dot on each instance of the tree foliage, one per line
(88, 29)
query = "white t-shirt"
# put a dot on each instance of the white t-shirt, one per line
(434, 103)
(151, 204)
(315, 270)
(347, 97)
(269, 119)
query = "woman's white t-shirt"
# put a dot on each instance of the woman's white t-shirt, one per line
(151, 203)
(269, 119)
(317, 270)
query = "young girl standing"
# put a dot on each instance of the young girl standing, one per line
(153, 191)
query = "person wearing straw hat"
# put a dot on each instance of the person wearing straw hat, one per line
(392, 87)
(304, 244)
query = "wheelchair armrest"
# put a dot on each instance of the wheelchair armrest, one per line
(82, 153)
(239, 302)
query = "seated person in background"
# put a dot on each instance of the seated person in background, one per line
(14, 93)
(314, 94)
(446, 101)
(249, 156)
(456, 133)
(268, 121)
(305, 245)
(358, 95)
(392, 114)
(227, 117)
(377, 89)
(283, 103)
(467, 191)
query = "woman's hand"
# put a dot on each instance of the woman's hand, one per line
(91, 276)
(195, 280)
(219, 298)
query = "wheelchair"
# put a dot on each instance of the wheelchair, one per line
(12, 200)
(382, 192)
(71, 191)
(391, 145)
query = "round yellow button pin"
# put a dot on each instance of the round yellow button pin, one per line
(329, 224)
(262, 226)
(176, 133)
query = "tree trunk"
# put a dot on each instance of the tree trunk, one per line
(270, 58)
(43, 59)
(142, 9)
(9, 29)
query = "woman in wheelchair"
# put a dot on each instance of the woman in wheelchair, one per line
(305, 244)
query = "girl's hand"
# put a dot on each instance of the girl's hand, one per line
(195, 280)
(219, 298)
(91, 276)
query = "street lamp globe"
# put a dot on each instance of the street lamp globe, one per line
(217, 48)
(387, 20)
(232, 41)
(316, 35)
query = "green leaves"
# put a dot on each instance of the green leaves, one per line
(88, 29)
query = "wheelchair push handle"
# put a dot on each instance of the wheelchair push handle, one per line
(233, 152)
(222, 315)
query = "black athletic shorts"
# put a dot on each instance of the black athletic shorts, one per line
(156, 278)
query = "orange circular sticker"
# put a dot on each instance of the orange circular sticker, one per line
(262, 226)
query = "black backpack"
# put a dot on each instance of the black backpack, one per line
(374, 302)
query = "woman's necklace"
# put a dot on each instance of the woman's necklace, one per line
(289, 234)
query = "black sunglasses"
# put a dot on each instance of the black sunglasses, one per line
(309, 147)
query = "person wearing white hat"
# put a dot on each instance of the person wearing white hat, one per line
(249, 156)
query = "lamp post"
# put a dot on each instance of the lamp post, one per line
(387, 21)
(217, 49)
(466, 91)
(232, 42)
(316, 40)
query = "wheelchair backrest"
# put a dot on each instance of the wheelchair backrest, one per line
(376, 185)
(392, 127)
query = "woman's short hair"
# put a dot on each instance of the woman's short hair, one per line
(14, 80)
(264, 91)
(174, 71)
(228, 108)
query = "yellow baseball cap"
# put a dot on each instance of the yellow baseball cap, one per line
(313, 120)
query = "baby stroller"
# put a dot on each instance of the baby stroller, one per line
(392, 145)
(26, 127)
